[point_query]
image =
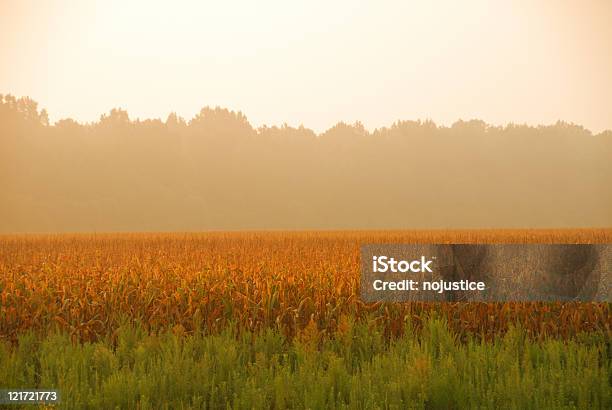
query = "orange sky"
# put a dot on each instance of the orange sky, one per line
(315, 62)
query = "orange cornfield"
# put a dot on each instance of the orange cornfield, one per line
(89, 284)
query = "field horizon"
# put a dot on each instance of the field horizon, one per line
(567, 234)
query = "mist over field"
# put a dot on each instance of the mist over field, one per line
(217, 172)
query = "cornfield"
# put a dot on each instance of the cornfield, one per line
(88, 285)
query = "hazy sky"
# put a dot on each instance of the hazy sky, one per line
(314, 62)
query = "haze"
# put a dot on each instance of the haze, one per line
(315, 62)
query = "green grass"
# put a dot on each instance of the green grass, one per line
(356, 369)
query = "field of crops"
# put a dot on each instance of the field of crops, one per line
(87, 285)
(274, 320)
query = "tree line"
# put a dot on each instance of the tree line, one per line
(216, 171)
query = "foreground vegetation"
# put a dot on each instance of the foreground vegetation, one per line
(356, 368)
